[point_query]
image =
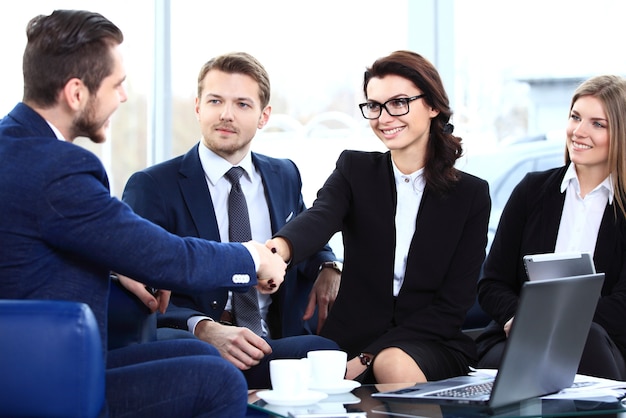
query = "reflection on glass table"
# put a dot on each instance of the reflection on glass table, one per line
(360, 400)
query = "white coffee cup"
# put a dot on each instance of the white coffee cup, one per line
(289, 376)
(327, 368)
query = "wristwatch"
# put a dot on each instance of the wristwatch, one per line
(335, 265)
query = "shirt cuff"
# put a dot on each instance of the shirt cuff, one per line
(195, 320)
(254, 254)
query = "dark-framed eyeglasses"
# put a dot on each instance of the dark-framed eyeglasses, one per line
(394, 107)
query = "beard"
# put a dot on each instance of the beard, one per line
(86, 124)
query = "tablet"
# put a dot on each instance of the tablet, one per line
(555, 265)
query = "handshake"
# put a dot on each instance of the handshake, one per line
(273, 257)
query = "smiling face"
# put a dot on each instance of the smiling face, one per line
(588, 135)
(407, 133)
(229, 111)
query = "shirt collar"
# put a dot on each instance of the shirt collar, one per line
(215, 166)
(417, 177)
(572, 177)
(57, 133)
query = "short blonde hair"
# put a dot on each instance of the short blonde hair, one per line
(239, 63)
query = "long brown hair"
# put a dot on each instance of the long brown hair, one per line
(611, 91)
(443, 148)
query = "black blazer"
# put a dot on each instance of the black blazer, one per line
(444, 260)
(529, 225)
(174, 195)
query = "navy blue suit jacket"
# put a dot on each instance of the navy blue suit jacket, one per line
(174, 195)
(61, 232)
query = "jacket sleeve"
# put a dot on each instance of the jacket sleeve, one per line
(80, 216)
(307, 267)
(500, 285)
(143, 194)
(610, 258)
(313, 227)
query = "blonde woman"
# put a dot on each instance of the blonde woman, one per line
(577, 207)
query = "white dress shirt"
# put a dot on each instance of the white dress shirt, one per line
(215, 167)
(581, 217)
(57, 133)
(410, 189)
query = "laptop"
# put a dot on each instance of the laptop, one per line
(542, 353)
(551, 265)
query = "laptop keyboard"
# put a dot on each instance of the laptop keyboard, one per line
(470, 391)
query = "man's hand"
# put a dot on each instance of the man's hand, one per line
(323, 295)
(159, 300)
(271, 272)
(238, 345)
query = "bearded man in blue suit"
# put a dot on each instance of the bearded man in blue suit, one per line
(188, 196)
(62, 233)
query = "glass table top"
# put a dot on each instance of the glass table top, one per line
(359, 403)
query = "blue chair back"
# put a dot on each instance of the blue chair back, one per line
(51, 360)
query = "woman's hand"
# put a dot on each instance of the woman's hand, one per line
(507, 327)
(279, 246)
(271, 271)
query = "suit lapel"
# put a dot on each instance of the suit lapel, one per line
(197, 197)
(608, 238)
(551, 219)
(273, 190)
(551, 210)
(276, 201)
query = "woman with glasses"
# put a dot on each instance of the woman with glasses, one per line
(580, 207)
(414, 231)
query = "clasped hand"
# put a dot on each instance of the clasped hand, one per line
(271, 271)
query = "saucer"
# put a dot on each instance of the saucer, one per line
(306, 398)
(342, 386)
(342, 398)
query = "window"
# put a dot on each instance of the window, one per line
(509, 72)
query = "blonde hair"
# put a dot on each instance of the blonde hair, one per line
(611, 91)
(239, 63)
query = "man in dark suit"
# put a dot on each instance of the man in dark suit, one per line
(188, 196)
(62, 232)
